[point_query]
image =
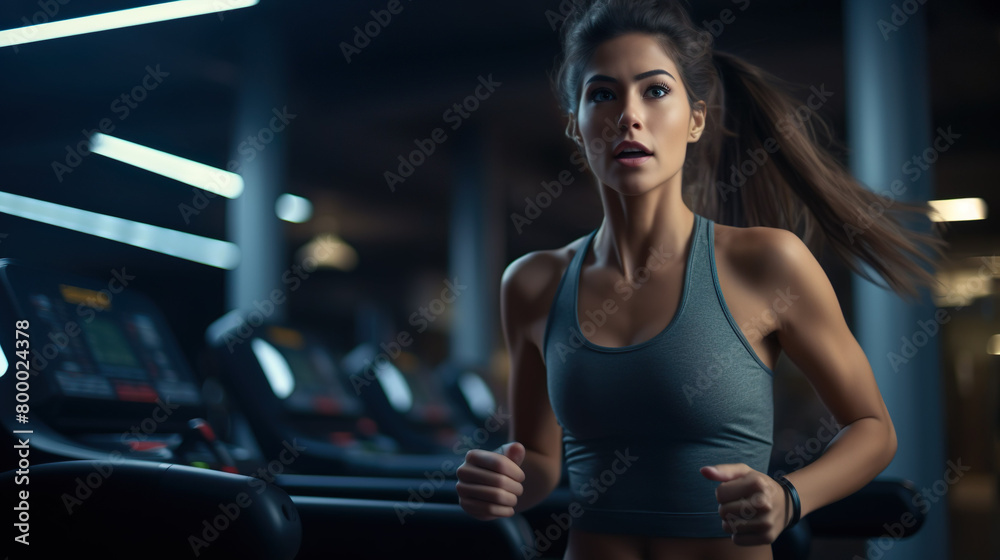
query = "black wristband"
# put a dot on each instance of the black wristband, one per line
(794, 494)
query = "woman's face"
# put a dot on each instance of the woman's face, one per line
(631, 83)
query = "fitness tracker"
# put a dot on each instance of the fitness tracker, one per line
(794, 494)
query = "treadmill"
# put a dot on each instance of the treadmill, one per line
(300, 392)
(114, 404)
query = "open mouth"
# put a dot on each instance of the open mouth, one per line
(632, 154)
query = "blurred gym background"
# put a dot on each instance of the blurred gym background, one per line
(390, 159)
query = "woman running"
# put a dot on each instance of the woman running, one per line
(644, 350)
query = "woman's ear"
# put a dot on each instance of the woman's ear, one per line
(697, 124)
(572, 132)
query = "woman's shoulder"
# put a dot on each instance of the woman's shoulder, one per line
(531, 279)
(756, 237)
(759, 251)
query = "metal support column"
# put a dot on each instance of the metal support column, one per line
(889, 122)
(474, 240)
(258, 155)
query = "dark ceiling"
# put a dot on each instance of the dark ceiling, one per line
(354, 118)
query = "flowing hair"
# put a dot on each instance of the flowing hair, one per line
(760, 160)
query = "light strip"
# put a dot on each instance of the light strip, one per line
(213, 252)
(118, 19)
(958, 209)
(212, 179)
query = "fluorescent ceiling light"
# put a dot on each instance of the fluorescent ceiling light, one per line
(293, 208)
(958, 209)
(218, 181)
(213, 252)
(118, 19)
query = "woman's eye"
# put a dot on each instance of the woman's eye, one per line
(662, 91)
(656, 91)
(600, 95)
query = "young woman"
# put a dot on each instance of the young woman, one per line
(647, 346)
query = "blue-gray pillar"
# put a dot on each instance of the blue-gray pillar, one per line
(257, 154)
(888, 123)
(474, 240)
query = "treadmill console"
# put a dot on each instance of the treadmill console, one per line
(306, 379)
(94, 345)
(106, 374)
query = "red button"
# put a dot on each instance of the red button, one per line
(146, 445)
(136, 393)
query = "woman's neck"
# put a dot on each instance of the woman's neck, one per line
(635, 227)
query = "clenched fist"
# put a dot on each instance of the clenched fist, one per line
(489, 482)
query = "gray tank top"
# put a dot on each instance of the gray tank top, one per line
(639, 421)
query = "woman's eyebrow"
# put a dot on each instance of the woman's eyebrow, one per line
(637, 77)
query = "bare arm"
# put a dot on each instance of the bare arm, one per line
(515, 478)
(533, 423)
(814, 335)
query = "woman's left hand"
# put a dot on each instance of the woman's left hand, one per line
(752, 505)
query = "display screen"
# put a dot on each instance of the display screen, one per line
(108, 344)
(93, 343)
(319, 388)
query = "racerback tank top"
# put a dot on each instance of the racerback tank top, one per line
(640, 420)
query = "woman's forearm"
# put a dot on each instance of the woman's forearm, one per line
(538, 480)
(861, 450)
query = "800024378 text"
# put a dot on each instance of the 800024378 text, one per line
(22, 349)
